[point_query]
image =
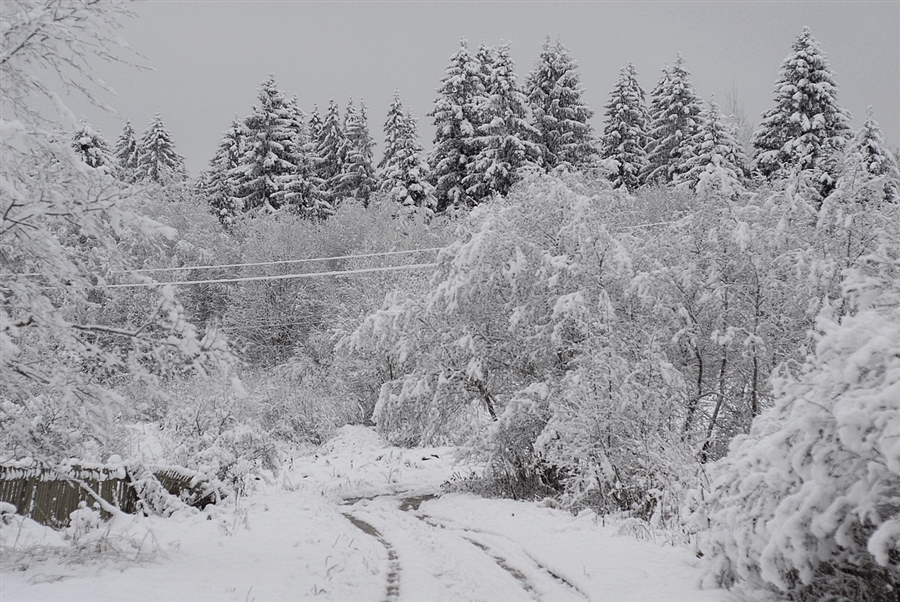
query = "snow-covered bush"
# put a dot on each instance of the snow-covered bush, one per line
(808, 504)
(526, 345)
(218, 433)
(82, 521)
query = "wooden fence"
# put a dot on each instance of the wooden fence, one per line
(49, 495)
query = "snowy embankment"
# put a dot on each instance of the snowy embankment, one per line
(355, 520)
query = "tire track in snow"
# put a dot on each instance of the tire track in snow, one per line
(393, 575)
(555, 576)
(500, 560)
(409, 505)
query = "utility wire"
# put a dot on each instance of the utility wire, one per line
(411, 266)
(649, 225)
(282, 262)
(257, 264)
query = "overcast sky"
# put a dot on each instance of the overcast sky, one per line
(211, 56)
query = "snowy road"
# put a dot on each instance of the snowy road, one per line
(481, 564)
(360, 521)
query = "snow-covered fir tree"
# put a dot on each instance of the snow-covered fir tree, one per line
(404, 173)
(270, 174)
(91, 147)
(158, 161)
(806, 127)
(625, 133)
(717, 163)
(127, 154)
(476, 181)
(311, 153)
(457, 114)
(674, 122)
(218, 183)
(314, 125)
(331, 154)
(560, 116)
(868, 158)
(506, 140)
(303, 192)
(358, 179)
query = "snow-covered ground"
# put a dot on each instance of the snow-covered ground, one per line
(355, 520)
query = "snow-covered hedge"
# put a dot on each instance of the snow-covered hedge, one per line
(808, 504)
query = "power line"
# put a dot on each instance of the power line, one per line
(281, 262)
(649, 225)
(411, 266)
(256, 264)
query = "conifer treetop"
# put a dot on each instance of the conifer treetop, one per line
(404, 173)
(217, 182)
(91, 147)
(331, 151)
(625, 133)
(674, 122)
(870, 163)
(562, 119)
(127, 153)
(807, 124)
(272, 172)
(358, 179)
(717, 164)
(506, 140)
(158, 160)
(457, 113)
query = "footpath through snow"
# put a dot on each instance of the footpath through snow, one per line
(354, 521)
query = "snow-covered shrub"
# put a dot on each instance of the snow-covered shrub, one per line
(808, 504)
(526, 345)
(516, 469)
(153, 497)
(218, 433)
(82, 521)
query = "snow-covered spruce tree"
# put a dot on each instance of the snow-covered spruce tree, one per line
(158, 162)
(674, 122)
(717, 163)
(625, 133)
(314, 125)
(808, 504)
(475, 181)
(60, 359)
(404, 173)
(270, 173)
(91, 147)
(127, 154)
(457, 114)
(358, 179)
(331, 154)
(217, 183)
(302, 187)
(807, 127)
(311, 155)
(869, 160)
(558, 114)
(505, 139)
